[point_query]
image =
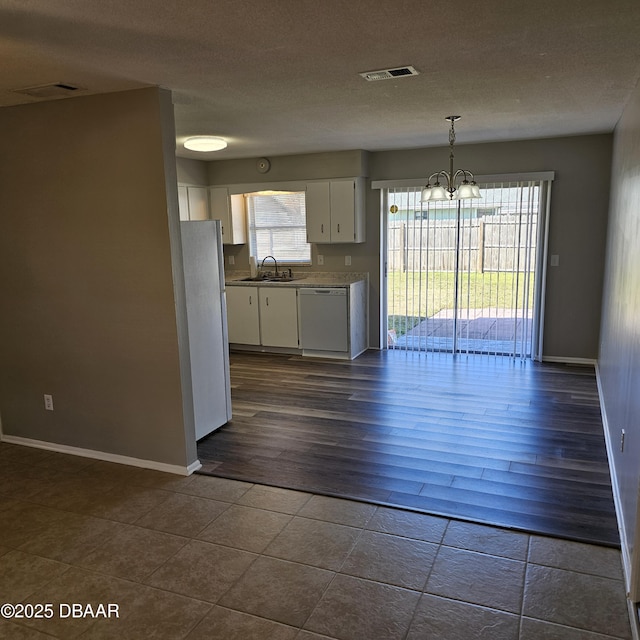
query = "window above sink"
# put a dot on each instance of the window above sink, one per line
(278, 227)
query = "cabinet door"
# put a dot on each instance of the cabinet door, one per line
(198, 203)
(183, 203)
(238, 219)
(243, 319)
(278, 317)
(318, 208)
(231, 213)
(343, 211)
(220, 210)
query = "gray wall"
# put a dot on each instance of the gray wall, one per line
(190, 171)
(619, 359)
(86, 276)
(340, 164)
(577, 226)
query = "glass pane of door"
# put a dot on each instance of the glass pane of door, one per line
(461, 274)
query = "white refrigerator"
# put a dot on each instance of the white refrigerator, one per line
(207, 324)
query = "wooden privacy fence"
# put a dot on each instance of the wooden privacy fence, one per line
(485, 245)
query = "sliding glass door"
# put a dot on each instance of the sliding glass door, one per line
(466, 276)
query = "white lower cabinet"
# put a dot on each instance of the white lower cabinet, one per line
(266, 316)
(243, 316)
(273, 317)
(278, 317)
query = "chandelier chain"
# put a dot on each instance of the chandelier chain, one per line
(460, 185)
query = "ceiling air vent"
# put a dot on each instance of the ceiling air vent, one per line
(389, 74)
(56, 90)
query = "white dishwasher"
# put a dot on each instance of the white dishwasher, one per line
(324, 322)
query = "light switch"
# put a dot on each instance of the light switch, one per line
(347, 261)
(555, 260)
(320, 259)
(232, 260)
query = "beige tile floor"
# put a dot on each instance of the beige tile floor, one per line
(206, 558)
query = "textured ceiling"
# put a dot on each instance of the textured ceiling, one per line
(277, 77)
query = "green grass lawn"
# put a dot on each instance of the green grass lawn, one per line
(414, 295)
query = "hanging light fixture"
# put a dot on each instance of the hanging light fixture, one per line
(466, 186)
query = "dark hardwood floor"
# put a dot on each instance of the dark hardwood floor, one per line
(505, 442)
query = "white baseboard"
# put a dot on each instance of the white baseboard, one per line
(617, 501)
(102, 455)
(626, 554)
(568, 360)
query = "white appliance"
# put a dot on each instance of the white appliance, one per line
(323, 319)
(207, 323)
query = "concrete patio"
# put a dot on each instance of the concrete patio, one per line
(491, 330)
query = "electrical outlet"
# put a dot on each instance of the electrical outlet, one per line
(347, 261)
(555, 260)
(320, 260)
(48, 402)
(232, 259)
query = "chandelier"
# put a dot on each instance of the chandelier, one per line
(466, 186)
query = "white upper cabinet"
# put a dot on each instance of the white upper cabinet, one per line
(230, 210)
(183, 203)
(198, 203)
(318, 208)
(193, 203)
(335, 211)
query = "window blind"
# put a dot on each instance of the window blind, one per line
(277, 227)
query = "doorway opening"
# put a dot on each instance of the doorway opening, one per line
(467, 276)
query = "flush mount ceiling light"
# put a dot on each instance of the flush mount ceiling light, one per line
(467, 187)
(205, 143)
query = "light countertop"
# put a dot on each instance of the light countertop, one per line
(308, 279)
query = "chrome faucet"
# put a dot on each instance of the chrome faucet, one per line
(274, 261)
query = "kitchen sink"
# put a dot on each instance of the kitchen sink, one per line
(269, 279)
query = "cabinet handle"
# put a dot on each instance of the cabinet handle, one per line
(222, 229)
(250, 300)
(338, 228)
(322, 228)
(267, 301)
